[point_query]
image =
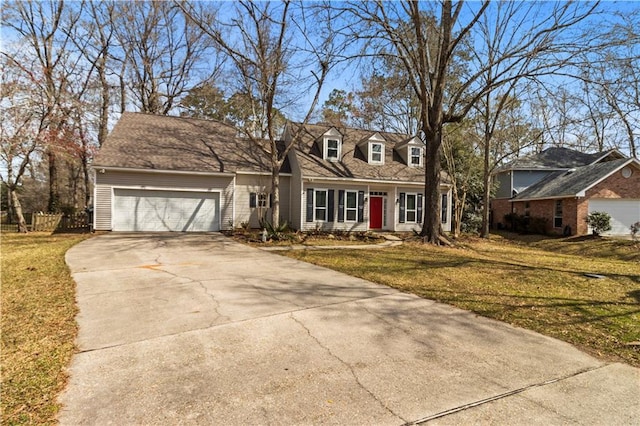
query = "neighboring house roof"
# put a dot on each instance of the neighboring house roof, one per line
(574, 182)
(146, 141)
(557, 158)
(353, 162)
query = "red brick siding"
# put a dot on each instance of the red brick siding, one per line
(499, 208)
(617, 186)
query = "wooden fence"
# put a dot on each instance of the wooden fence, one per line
(49, 222)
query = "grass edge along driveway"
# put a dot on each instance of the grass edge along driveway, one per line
(38, 324)
(541, 289)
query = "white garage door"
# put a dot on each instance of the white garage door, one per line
(152, 211)
(623, 213)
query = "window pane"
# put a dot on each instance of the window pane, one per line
(351, 215)
(320, 214)
(376, 147)
(411, 216)
(321, 198)
(377, 157)
(411, 202)
(332, 144)
(352, 199)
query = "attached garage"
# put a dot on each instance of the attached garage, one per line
(162, 210)
(623, 212)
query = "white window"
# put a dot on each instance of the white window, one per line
(320, 205)
(411, 209)
(332, 149)
(415, 156)
(557, 214)
(351, 206)
(263, 199)
(376, 155)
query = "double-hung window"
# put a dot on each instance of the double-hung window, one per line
(411, 210)
(410, 207)
(320, 205)
(557, 214)
(259, 200)
(351, 206)
(416, 156)
(333, 149)
(377, 153)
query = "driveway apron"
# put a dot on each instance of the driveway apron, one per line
(197, 329)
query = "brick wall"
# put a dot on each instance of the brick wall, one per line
(499, 208)
(617, 186)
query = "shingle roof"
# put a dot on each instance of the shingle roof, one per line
(554, 158)
(570, 183)
(353, 162)
(145, 141)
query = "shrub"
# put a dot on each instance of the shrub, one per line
(599, 222)
(635, 230)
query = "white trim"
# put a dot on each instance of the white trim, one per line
(369, 181)
(325, 147)
(382, 152)
(175, 172)
(556, 197)
(242, 172)
(626, 163)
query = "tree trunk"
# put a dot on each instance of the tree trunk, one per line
(275, 196)
(431, 223)
(54, 191)
(486, 181)
(22, 224)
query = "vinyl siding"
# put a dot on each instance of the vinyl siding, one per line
(105, 182)
(245, 185)
(334, 225)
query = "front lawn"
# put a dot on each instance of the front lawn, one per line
(539, 285)
(38, 324)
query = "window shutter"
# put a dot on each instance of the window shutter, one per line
(402, 207)
(310, 205)
(253, 200)
(341, 205)
(419, 207)
(270, 200)
(330, 205)
(360, 206)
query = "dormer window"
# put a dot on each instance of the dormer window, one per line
(376, 153)
(415, 157)
(332, 151)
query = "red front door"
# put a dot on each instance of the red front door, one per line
(375, 212)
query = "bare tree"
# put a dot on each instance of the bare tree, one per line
(429, 51)
(271, 50)
(161, 53)
(19, 132)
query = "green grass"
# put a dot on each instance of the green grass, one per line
(539, 285)
(38, 324)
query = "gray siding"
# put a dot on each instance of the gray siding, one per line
(105, 182)
(245, 185)
(504, 185)
(522, 179)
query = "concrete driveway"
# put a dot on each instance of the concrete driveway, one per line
(197, 329)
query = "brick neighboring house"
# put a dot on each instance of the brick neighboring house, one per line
(563, 186)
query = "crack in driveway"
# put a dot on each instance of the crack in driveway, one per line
(348, 366)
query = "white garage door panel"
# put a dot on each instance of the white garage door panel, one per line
(623, 213)
(152, 211)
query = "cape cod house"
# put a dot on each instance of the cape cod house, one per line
(563, 186)
(160, 173)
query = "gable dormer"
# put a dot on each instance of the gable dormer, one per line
(331, 145)
(373, 148)
(412, 152)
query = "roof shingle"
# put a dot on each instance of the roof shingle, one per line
(145, 141)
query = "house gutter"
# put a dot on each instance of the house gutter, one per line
(369, 181)
(102, 169)
(555, 197)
